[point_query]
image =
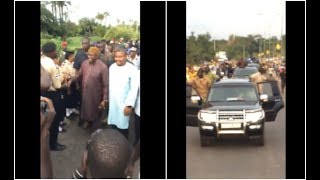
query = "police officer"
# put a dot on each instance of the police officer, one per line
(54, 93)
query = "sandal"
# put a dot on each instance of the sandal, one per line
(78, 175)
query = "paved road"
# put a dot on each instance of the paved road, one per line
(65, 162)
(236, 158)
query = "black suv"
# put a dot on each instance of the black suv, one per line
(234, 107)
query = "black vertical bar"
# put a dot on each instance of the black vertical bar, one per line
(295, 119)
(152, 31)
(27, 89)
(176, 118)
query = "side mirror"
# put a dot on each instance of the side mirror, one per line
(264, 97)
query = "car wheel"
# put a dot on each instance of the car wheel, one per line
(259, 140)
(205, 140)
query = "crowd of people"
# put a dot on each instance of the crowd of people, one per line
(102, 80)
(201, 78)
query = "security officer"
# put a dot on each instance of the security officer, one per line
(54, 93)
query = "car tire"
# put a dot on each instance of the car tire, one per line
(259, 141)
(205, 140)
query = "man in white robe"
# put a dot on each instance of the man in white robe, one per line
(123, 90)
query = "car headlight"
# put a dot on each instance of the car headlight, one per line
(208, 117)
(254, 115)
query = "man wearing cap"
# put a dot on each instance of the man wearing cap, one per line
(95, 85)
(133, 57)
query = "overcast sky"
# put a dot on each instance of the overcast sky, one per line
(218, 17)
(241, 17)
(124, 10)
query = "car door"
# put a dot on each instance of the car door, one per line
(192, 106)
(274, 103)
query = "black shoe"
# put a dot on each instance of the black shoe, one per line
(73, 116)
(58, 147)
(63, 123)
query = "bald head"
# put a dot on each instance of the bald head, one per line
(108, 154)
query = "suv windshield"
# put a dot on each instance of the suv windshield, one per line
(245, 72)
(232, 93)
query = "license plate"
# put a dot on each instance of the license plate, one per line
(235, 125)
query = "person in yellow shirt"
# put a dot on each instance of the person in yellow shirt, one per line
(192, 73)
(209, 75)
(187, 74)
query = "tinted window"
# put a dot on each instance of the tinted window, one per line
(270, 88)
(245, 71)
(232, 93)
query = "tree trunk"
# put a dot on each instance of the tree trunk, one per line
(52, 8)
(62, 12)
(55, 11)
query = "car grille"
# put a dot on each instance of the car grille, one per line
(231, 115)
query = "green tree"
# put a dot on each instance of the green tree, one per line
(125, 31)
(87, 26)
(100, 17)
(199, 49)
(48, 24)
(106, 14)
(61, 5)
(54, 8)
(72, 29)
(100, 30)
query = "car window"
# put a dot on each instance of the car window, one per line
(270, 88)
(245, 72)
(232, 93)
(265, 88)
